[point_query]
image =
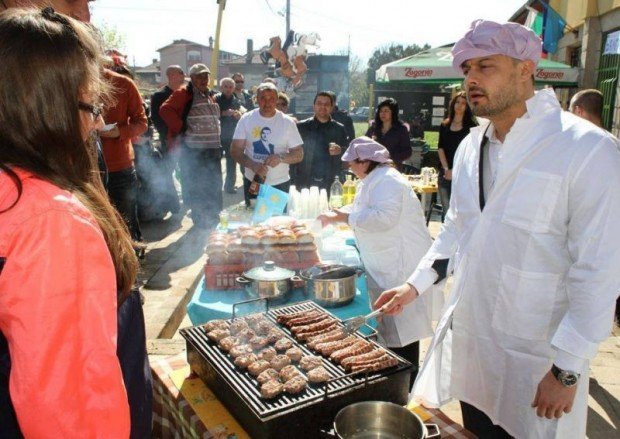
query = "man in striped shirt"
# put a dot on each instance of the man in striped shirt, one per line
(193, 120)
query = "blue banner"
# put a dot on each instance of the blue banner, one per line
(270, 202)
(553, 29)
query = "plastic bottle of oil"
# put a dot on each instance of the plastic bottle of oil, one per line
(348, 191)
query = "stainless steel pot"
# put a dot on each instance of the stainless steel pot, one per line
(331, 285)
(381, 420)
(268, 281)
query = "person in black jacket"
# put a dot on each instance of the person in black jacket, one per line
(321, 163)
(231, 110)
(176, 77)
(343, 117)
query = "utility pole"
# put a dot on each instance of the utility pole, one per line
(216, 47)
(288, 17)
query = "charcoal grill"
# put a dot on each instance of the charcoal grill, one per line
(299, 416)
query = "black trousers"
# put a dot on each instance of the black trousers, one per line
(480, 424)
(123, 192)
(231, 166)
(134, 361)
(411, 353)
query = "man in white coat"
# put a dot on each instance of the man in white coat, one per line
(532, 237)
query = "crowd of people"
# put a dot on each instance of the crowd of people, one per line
(529, 190)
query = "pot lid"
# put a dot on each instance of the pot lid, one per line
(329, 272)
(269, 271)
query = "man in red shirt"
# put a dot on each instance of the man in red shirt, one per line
(193, 119)
(130, 121)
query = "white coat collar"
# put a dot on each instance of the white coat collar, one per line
(543, 103)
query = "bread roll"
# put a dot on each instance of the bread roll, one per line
(250, 237)
(269, 237)
(234, 245)
(304, 236)
(286, 237)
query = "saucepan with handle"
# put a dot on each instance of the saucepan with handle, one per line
(380, 419)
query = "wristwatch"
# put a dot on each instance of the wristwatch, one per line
(567, 378)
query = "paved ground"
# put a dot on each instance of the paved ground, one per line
(172, 268)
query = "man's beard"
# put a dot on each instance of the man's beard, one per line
(503, 99)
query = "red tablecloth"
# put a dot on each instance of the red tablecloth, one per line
(174, 416)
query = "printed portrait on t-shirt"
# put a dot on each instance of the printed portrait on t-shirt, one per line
(262, 147)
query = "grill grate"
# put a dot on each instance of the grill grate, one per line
(247, 388)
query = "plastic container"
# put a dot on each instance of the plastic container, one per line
(335, 194)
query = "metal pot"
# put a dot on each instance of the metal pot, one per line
(268, 281)
(380, 419)
(331, 285)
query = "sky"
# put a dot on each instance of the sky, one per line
(361, 25)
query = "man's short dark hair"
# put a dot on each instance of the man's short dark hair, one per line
(590, 100)
(284, 97)
(329, 94)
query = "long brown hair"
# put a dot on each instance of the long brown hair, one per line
(468, 117)
(50, 62)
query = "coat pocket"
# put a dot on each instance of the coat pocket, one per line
(532, 201)
(525, 303)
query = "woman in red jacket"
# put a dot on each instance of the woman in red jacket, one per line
(64, 250)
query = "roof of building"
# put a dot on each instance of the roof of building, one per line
(154, 67)
(183, 42)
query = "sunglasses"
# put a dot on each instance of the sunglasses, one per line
(239, 82)
(95, 110)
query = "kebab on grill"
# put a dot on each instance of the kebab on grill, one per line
(369, 356)
(335, 335)
(378, 365)
(358, 348)
(332, 346)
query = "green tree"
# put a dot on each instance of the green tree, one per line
(358, 87)
(388, 53)
(111, 37)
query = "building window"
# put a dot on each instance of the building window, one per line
(575, 56)
(193, 57)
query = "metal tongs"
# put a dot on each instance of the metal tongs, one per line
(354, 323)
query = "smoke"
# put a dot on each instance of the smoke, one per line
(157, 194)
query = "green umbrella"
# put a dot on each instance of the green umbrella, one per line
(434, 66)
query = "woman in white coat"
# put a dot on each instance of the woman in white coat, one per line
(392, 237)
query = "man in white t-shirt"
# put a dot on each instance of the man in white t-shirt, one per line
(266, 142)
